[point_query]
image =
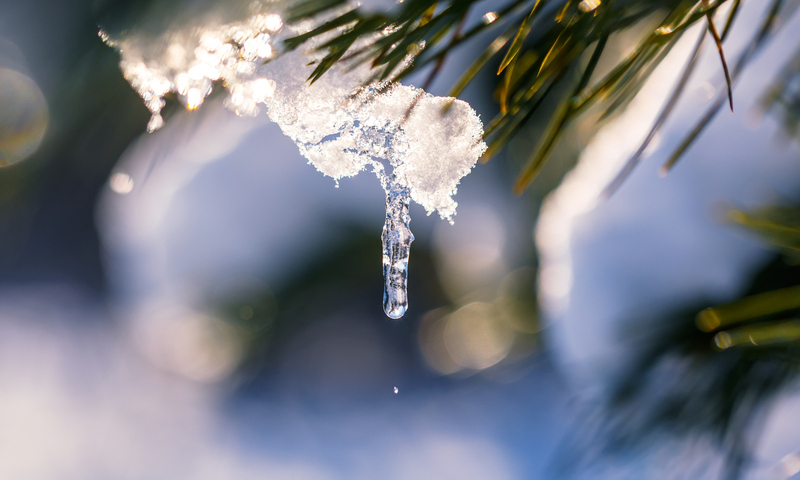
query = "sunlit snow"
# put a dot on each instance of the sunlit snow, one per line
(418, 145)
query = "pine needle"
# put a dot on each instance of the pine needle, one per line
(713, 30)
(662, 117)
(769, 27)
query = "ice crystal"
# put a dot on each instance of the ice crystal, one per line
(418, 145)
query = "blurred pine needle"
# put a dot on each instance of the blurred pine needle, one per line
(751, 321)
(542, 42)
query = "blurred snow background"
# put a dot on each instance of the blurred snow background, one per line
(119, 359)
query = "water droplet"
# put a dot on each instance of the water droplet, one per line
(489, 17)
(396, 390)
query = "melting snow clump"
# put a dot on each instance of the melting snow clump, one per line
(341, 127)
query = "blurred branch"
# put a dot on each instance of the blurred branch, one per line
(706, 375)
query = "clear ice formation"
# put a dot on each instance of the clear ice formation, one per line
(396, 239)
(338, 126)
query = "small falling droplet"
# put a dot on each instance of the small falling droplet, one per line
(396, 390)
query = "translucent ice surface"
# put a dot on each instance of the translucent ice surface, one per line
(396, 238)
(418, 145)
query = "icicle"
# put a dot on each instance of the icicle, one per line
(397, 238)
